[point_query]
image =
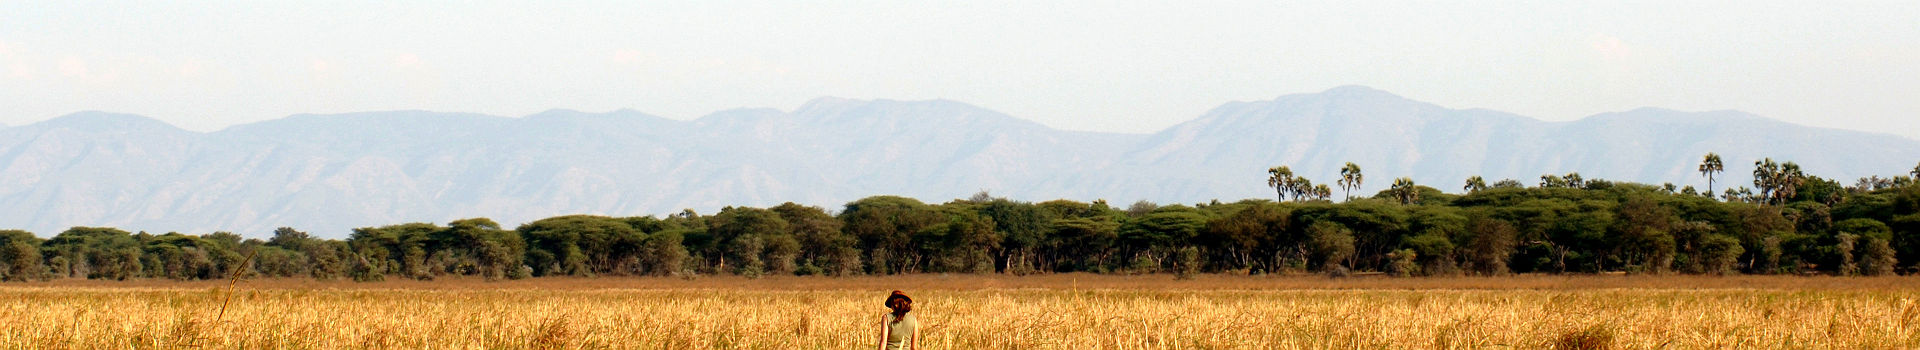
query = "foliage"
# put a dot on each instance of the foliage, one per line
(1795, 223)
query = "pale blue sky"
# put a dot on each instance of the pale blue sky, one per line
(1085, 65)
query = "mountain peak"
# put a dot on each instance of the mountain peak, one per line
(1359, 91)
(1353, 89)
(827, 104)
(107, 121)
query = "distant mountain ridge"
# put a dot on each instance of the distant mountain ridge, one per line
(329, 173)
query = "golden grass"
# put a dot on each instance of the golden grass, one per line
(1045, 312)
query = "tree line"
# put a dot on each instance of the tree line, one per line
(1788, 222)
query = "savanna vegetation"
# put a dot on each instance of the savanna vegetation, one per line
(965, 311)
(1788, 222)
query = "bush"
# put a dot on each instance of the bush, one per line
(1401, 263)
(1720, 254)
(1187, 263)
(1877, 259)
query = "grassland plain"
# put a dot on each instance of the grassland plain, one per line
(1070, 311)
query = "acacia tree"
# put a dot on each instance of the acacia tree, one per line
(20, 256)
(1508, 183)
(884, 226)
(759, 240)
(1331, 243)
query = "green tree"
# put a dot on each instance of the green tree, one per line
(1405, 190)
(1024, 227)
(1301, 187)
(1350, 179)
(1475, 184)
(665, 253)
(1186, 263)
(1843, 246)
(1878, 257)
(1710, 166)
(325, 259)
(885, 226)
(96, 252)
(20, 256)
(820, 237)
(1254, 237)
(397, 249)
(582, 245)
(1083, 243)
(1490, 246)
(965, 242)
(1642, 235)
(1280, 178)
(1777, 182)
(479, 246)
(1552, 181)
(1331, 244)
(1149, 239)
(1720, 254)
(754, 235)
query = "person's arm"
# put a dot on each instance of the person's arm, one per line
(883, 331)
(913, 340)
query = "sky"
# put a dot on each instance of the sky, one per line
(1118, 66)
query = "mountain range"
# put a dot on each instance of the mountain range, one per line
(327, 174)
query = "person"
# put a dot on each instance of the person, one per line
(898, 330)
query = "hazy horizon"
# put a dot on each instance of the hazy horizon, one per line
(990, 108)
(1122, 67)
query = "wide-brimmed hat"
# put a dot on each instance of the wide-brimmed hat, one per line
(897, 295)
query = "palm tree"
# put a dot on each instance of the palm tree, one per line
(1552, 181)
(1279, 178)
(1301, 188)
(1574, 180)
(1710, 166)
(1322, 191)
(1350, 179)
(1475, 184)
(1766, 177)
(1915, 172)
(1405, 190)
(1790, 180)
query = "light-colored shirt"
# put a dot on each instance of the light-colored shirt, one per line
(899, 332)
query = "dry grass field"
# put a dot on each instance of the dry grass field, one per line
(1074, 311)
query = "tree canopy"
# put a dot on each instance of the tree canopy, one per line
(1795, 223)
